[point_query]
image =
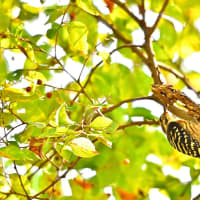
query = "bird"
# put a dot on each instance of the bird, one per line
(183, 135)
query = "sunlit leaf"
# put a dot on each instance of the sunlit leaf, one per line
(101, 123)
(76, 34)
(63, 118)
(31, 9)
(87, 6)
(15, 153)
(83, 147)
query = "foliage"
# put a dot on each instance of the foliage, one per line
(89, 122)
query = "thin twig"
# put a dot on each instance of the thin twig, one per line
(188, 185)
(123, 6)
(59, 88)
(58, 178)
(180, 76)
(139, 123)
(20, 179)
(197, 197)
(159, 16)
(11, 129)
(98, 64)
(124, 39)
(109, 109)
(40, 166)
(20, 194)
(56, 37)
(143, 10)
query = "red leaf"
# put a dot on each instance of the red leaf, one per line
(110, 5)
(36, 145)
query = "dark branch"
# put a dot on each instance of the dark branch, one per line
(159, 16)
(179, 75)
(139, 123)
(58, 178)
(21, 182)
(123, 6)
(127, 101)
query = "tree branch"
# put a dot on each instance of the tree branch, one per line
(123, 6)
(122, 38)
(21, 182)
(58, 178)
(159, 16)
(98, 64)
(139, 123)
(180, 76)
(127, 101)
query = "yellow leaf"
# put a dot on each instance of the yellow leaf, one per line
(83, 147)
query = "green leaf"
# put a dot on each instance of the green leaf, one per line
(83, 147)
(4, 22)
(19, 95)
(101, 123)
(140, 111)
(63, 118)
(54, 12)
(14, 75)
(37, 124)
(55, 132)
(175, 11)
(33, 75)
(13, 152)
(142, 82)
(75, 34)
(6, 119)
(87, 6)
(31, 9)
(3, 67)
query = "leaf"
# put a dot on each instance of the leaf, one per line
(3, 67)
(54, 12)
(31, 9)
(83, 147)
(13, 152)
(36, 146)
(4, 22)
(105, 141)
(55, 132)
(37, 124)
(125, 195)
(33, 75)
(101, 123)
(6, 119)
(87, 6)
(140, 111)
(76, 34)
(86, 185)
(14, 75)
(63, 118)
(19, 95)
(109, 4)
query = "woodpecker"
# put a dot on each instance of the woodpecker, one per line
(183, 135)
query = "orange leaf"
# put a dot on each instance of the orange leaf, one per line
(84, 184)
(36, 145)
(110, 5)
(125, 195)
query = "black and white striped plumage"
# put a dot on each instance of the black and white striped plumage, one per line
(181, 135)
(182, 140)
